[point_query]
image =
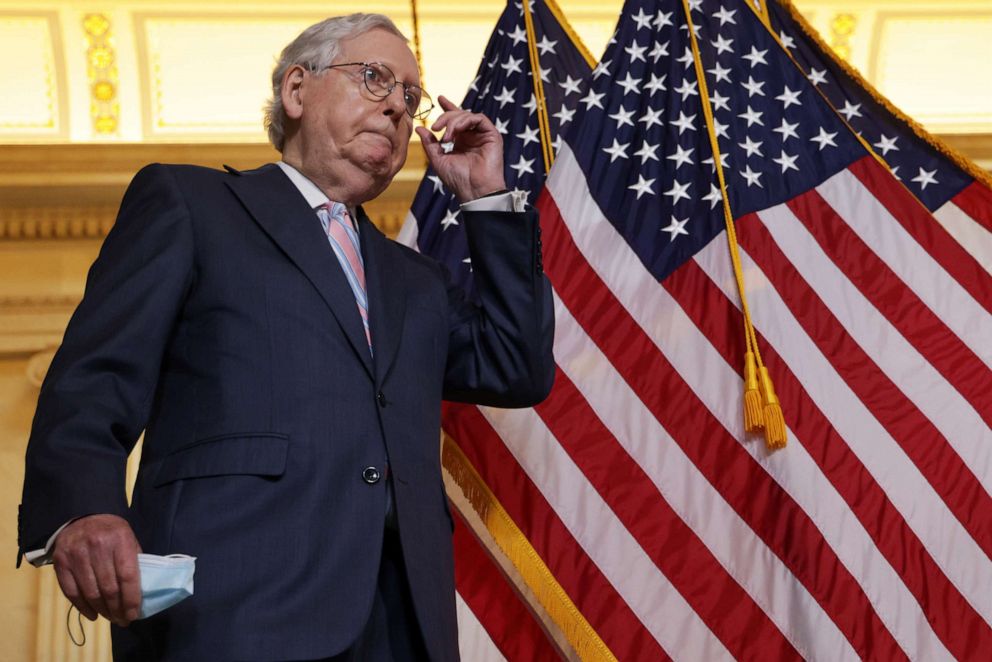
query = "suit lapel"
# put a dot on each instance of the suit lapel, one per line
(387, 294)
(282, 212)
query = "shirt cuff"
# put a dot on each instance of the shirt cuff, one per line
(40, 557)
(515, 201)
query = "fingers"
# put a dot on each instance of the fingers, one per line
(129, 581)
(446, 103)
(96, 562)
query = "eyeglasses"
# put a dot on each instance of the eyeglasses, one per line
(381, 81)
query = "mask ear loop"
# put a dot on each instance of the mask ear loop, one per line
(68, 629)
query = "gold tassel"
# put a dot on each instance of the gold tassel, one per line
(754, 420)
(775, 435)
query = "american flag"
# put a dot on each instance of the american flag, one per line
(494, 622)
(957, 193)
(672, 532)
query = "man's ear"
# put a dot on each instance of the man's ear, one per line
(292, 91)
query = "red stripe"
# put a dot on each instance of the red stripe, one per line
(899, 304)
(756, 497)
(952, 618)
(976, 201)
(915, 434)
(488, 593)
(712, 593)
(582, 580)
(918, 222)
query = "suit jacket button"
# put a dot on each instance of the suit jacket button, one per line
(371, 475)
(381, 397)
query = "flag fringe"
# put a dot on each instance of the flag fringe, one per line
(960, 160)
(512, 542)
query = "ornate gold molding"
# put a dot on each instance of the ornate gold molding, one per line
(34, 223)
(841, 29)
(101, 69)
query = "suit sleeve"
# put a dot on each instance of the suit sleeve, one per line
(500, 350)
(98, 392)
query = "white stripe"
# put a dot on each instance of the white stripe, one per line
(603, 537)
(953, 550)
(409, 232)
(474, 642)
(886, 237)
(734, 545)
(915, 377)
(719, 387)
(974, 238)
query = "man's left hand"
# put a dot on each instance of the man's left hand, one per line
(474, 166)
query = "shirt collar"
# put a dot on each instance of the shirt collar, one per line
(311, 193)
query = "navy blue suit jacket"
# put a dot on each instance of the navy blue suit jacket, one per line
(218, 320)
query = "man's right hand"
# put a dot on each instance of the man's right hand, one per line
(96, 562)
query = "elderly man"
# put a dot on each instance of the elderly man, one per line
(287, 363)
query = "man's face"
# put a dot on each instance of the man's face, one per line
(350, 139)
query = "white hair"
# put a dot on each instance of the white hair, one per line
(315, 48)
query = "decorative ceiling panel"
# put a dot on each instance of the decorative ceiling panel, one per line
(31, 70)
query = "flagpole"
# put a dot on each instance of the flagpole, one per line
(761, 405)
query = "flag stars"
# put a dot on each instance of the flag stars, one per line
(519, 35)
(451, 218)
(824, 139)
(788, 97)
(886, 144)
(817, 76)
(714, 197)
(681, 156)
(756, 57)
(622, 116)
(719, 101)
(660, 50)
(720, 129)
(547, 46)
(531, 104)
(687, 89)
(786, 40)
(642, 186)
(925, 178)
(647, 152)
(752, 116)
(752, 147)
(617, 150)
(850, 111)
(523, 166)
(601, 68)
(684, 123)
(722, 74)
(505, 97)
(651, 117)
(753, 178)
(629, 84)
(529, 135)
(723, 45)
(592, 99)
(564, 116)
(678, 191)
(436, 181)
(686, 59)
(512, 65)
(787, 162)
(636, 52)
(656, 84)
(662, 19)
(570, 85)
(725, 16)
(643, 20)
(710, 162)
(503, 126)
(787, 130)
(753, 87)
(676, 227)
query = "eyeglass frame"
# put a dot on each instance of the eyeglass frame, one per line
(421, 114)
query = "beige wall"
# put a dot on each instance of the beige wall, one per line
(61, 175)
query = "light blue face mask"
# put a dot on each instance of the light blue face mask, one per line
(165, 580)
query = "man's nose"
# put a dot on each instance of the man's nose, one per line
(394, 104)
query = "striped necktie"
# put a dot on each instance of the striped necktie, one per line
(343, 237)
